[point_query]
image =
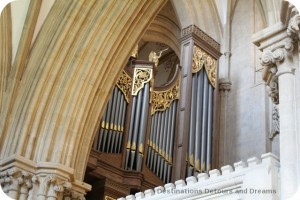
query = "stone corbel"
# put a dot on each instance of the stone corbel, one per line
(224, 86)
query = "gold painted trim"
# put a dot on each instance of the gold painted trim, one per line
(202, 58)
(108, 198)
(124, 84)
(161, 100)
(141, 76)
(141, 148)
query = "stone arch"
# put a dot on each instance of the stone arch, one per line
(52, 110)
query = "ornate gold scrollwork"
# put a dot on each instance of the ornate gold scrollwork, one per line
(109, 198)
(124, 84)
(140, 77)
(200, 59)
(161, 100)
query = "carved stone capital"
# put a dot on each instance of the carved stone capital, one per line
(224, 86)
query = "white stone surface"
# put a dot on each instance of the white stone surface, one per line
(258, 180)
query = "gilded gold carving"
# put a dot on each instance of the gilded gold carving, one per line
(124, 84)
(161, 100)
(140, 78)
(109, 198)
(200, 59)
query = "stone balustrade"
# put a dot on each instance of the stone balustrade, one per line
(254, 179)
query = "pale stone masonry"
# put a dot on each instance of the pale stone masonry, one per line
(254, 179)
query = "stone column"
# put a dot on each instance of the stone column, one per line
(224, 88)
(279, 57)
(279, 65)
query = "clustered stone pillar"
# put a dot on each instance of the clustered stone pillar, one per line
(22, 185)
(279, 75)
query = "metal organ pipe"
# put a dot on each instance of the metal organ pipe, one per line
(204, 123)
(209, 128)
(198, 119)
(142, 126)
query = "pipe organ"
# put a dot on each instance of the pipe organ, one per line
(139, 118)
(199, 149)
(162, 132)
(137, 139)
(111, 132)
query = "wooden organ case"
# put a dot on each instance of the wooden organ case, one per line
(134, 148)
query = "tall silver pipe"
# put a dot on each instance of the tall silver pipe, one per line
(137, 121)
(143, 126)
(153, 140)
(209, 128)
(112, 119)
(204, 123)
(107, 120)
(130, 133)
(163, 145)
(122, 123)
(198, 128)
(101, 130)
(157, 143)
(118, 122)
(115, 120)
(161, 138)
(150, 145)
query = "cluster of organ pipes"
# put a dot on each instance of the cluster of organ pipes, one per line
(148, 138)
(200, 129)
(160, 143)
(111, 131)
(137, 129)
